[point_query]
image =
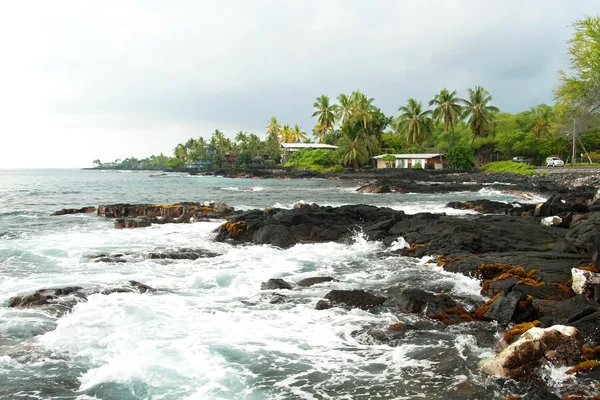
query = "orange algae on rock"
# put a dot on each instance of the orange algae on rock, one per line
(510, 335)
(485, 307)
(235, 228)
(397, 325)
(413, 247)
(588, 353)
(589, 267)
(584, 366)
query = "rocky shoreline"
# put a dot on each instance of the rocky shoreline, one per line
(537, 264)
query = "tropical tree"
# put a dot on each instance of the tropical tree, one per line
(326, 115)
(181, 152)
(479, 112)
(447, 110)
(287, 135)
(352, 147)
(362, 109)
(274, 127)
(299, 135)
(344, 108)
(543, 116)
(241, 138)
(413, 122)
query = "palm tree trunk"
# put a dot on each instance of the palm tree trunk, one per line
(453, 137)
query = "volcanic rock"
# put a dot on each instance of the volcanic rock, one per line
(306, 282)
(274, 284)
(352, 299)
(84, 210)
(559, 345)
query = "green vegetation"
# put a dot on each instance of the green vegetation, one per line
(469, 131)
(509, 166)
(318, 160)
(417, 166)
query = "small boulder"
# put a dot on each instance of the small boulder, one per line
(354, 299)
(552, 221)
(559, 345)
(307, 282)
(274, 284)
(374, 188)
(583, 280)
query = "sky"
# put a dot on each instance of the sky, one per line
(86, 80)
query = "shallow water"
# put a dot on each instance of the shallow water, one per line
(210, 332)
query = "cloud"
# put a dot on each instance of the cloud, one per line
(109, 79)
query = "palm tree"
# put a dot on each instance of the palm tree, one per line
(325, 113)
(287, 134)
(241, 138)
(448, 109)
(352, 147)
(362, 108)
(180, 152)
(544, 115)
(274, 127)
(344, 108)
(480, 114)
(299, 135)
(414, 122)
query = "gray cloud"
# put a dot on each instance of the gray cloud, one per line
(114, 72)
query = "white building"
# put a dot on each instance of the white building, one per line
(427, 161)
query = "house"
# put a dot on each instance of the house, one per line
(290, 148)
(427, 161)
(198, 164)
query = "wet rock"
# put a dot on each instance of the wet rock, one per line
(306, 282)
(274, 284)
(596, 199)
(56, 301)
(589, 327)
(323, 305)
(482, 206)
(84, 210)
(129, 287)
(495, 287)
(573, 309)
(130, 223)
(417, 301)
(375, 188)
(558, 345)
(182, 254)
(353, 299)
(510, 307)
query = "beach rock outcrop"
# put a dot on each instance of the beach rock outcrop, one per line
(350, 299)
(375, 188)
(84, 210)
(141, 215)
(182, 254)
(558, 345)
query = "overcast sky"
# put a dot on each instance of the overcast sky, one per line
(81, 80)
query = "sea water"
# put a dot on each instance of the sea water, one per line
(209, 332)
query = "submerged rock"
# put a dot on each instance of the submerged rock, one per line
(351, 299)
(183, 254)
(56, 301)
(558, 345)
(129, 287)
(130, 223)
(307, 282)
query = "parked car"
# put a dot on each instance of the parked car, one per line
(521, 160)
(554, 162)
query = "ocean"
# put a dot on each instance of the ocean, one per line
(210, 332)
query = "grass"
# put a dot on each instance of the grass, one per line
(595, 164)
(509, 166)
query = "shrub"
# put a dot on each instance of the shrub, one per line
(318, 160)
(389, 159)
(460, 157)
(509, 166)
(417, 166)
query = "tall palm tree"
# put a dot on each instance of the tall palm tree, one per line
(413, 122)
(325, 113)
(480, 113)
(543, 118)
(287, 135)
(352, 147)
(241, 138)
(299, 135)
(180, 152)
(274, 127)
(344, 108)
(362, 108)
(448, 110)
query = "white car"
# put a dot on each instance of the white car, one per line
(554, 162)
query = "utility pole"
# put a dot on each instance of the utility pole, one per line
(574, 142)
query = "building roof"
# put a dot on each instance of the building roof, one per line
(401, 156)
(307, 146)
